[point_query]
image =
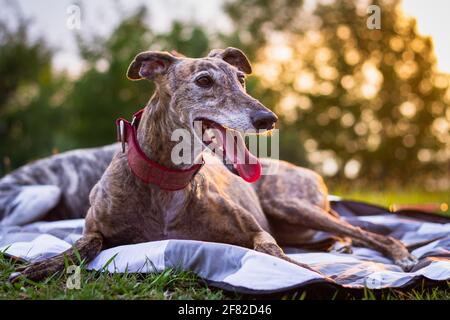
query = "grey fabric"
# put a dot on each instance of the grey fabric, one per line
(243, 270)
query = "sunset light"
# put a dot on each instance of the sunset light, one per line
(432, 20)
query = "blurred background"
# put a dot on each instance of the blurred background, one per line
(368, 109)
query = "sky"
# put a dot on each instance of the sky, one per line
(433, 19)
(100, 16)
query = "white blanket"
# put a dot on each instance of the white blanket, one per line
(247, 271)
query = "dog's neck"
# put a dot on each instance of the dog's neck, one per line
(157, 124)
(154, 133)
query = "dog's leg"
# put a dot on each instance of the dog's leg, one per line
(344, 245)
(86, 248)
(264, 242)
(304, 213)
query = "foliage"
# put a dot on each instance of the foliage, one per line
(28, 95)
(364, 103)
(44, 112)
(353, 103)
(168, 285)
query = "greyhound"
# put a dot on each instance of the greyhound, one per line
(144, 196)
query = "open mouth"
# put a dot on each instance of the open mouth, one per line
(230, 146)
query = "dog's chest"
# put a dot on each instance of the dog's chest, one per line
(172, 212)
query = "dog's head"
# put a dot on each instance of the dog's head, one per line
(210, 90)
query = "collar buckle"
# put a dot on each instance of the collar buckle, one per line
(121, 134)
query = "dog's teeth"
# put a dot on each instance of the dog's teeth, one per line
(267, 133)
(210, 134)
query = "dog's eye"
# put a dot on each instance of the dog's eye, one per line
(204, 81)
(241, 79)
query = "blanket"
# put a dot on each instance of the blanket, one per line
(246, 271)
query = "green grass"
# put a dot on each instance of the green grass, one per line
(388, 198)
(176, 284)
(413, 294)
(170, 284)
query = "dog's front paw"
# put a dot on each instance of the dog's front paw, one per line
(13, 277)
(37, 271)
(24, 271)
(407, 263)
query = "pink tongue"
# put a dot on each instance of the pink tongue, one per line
(245, 163)
(249, 172)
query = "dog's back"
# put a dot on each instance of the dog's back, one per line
(53, 188)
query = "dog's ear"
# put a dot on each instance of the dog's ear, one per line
(177, 54)
(149, 64)
(233, 56)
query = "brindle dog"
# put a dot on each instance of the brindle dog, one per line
(284, 209)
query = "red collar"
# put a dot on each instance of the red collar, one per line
(146, 169)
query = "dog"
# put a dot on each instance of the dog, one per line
(143, 196)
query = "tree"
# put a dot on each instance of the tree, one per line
(365, 104)
(353, 103)
(29, 115)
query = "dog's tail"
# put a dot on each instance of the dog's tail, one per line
(83, 251)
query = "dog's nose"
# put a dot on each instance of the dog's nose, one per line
(263, 119)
